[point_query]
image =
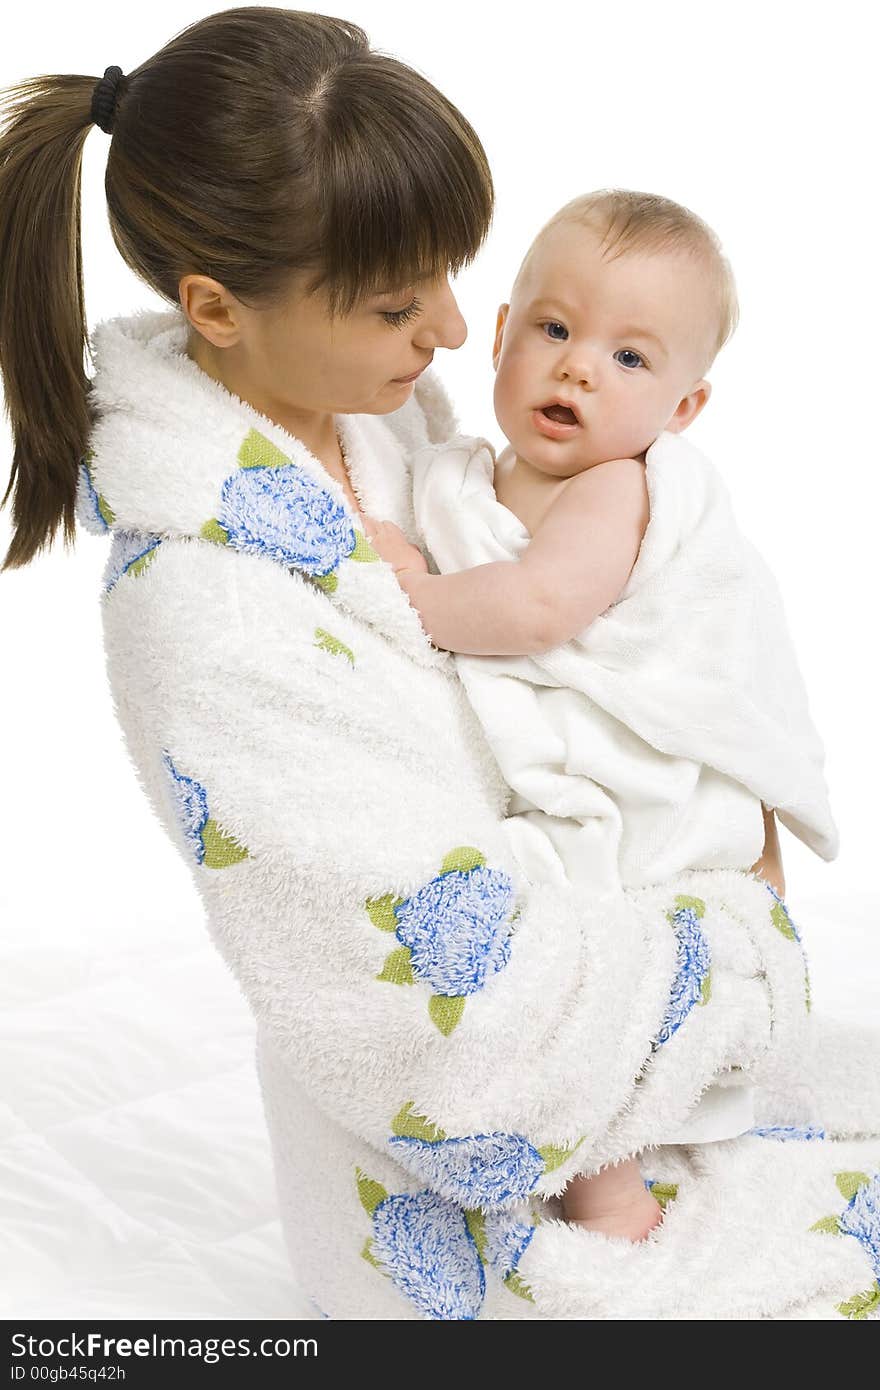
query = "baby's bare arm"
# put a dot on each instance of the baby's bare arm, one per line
(576, 565)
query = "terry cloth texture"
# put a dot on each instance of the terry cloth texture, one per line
(441, 1044)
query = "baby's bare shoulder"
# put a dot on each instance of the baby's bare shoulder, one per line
(608, 500)
(613, 483)
(603, 473)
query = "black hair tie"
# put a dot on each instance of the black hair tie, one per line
(104, 99)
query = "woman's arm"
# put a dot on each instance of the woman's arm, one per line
(576, 565)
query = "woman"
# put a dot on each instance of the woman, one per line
(441, 1045)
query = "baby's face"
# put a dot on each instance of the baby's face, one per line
(623, 341)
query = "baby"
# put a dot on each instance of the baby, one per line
(598, 555)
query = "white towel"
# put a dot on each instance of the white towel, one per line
(645, 745)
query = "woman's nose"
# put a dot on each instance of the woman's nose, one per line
(442, 323)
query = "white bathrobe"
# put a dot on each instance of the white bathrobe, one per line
(440, 1044)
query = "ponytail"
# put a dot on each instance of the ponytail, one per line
(43, 332)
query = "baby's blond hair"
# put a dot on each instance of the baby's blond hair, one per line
(631, 221)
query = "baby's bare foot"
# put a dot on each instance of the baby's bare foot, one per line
(634, 1221)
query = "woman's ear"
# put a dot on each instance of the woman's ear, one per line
(503, 311)
(689, 407)
(210, 308)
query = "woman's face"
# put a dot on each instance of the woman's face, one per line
(294, 359)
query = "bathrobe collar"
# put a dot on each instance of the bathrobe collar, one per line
(174, 454)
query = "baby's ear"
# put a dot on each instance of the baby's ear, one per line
(503, 311)
(689, 407)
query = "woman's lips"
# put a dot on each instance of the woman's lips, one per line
(413, 376)
(553, 429)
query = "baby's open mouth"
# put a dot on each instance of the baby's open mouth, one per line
(562, 414)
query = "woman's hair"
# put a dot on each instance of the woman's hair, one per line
(627, 220)
(259, 142)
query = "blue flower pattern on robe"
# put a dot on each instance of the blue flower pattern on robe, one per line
(784, 923)
(437, 1253)
(783, 915)
(478, 1170)
(861, 1219)
(191, 805)
(88, 503)
(126, 549)
(784, 1133)
(507, 1240)
(693, 963)
(423, 1243)
(283, 513)
(456, 929)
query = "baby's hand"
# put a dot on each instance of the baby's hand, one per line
(392, 545)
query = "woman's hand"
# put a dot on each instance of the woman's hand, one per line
(392, 545)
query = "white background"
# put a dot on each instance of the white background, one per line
(761, 119)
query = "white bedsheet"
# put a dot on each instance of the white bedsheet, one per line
(135, 1178)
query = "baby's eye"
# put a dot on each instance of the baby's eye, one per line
(554, 324)
(628, 354)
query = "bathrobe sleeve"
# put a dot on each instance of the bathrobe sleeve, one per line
(343, 824)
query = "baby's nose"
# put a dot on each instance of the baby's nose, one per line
(581, 375)
(580, 365)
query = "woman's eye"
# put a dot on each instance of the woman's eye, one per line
(398, 317)
(554, 324)
(627, 353)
